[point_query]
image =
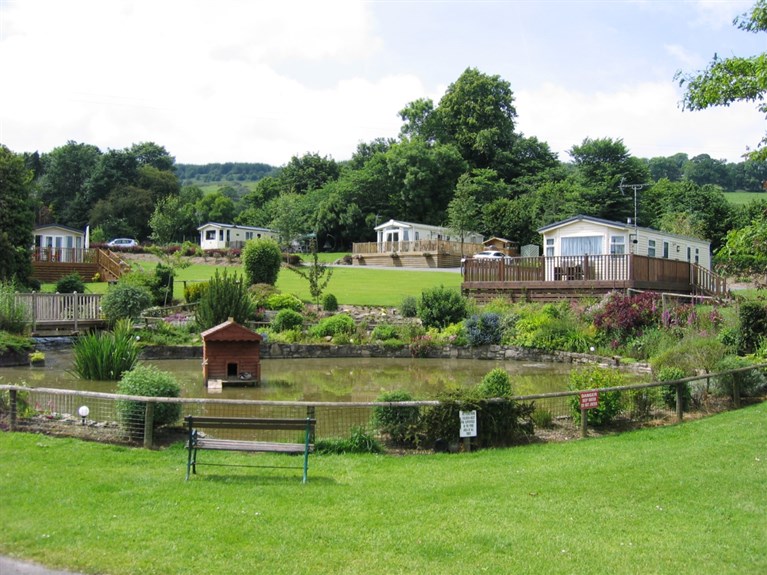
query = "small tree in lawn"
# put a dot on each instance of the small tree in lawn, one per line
(261, 261)
(318, 275)
(227, 296)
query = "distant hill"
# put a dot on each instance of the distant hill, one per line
(228, 172)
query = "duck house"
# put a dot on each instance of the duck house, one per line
(231, 355)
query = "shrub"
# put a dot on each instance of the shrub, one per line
(261, 261)
(596, 378)
(542, 418)
(408, 307)
(332, 326)
(125, 301)
(287, 319)
(496, 383)
(384, 332)
(284, 301)
(163, 284)
(668, 393)
(441, 306)
(106, 355)
(194, 291)
(259, 293)
(71, 283)
(626, 314)
(749, 381)
(147, 381)
(753, 326)
(499, 423)
(401, 423)
(359, 441)
(691, 353)
(13, 316)
(226, 296)
(329, 302)
(484, 329)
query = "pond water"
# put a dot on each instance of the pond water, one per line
(334, 379)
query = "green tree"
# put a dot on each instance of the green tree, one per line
(215, 207)
(734, 79)
(318, 275)
(168, 220)
(287, 218)
(16, 217)
(463, 211)
(308, 172)
(226, 296)
(261, 261)
(744, 252)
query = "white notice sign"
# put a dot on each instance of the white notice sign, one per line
(468, 423)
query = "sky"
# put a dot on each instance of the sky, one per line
(263, 81)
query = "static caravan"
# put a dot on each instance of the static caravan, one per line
(215, 236)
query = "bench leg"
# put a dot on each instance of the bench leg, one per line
(306, 465)
(191, 462)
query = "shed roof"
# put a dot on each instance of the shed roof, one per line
(230, 330)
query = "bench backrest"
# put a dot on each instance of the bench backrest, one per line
(210, 422)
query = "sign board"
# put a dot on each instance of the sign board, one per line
(468, 423)
(589, 399)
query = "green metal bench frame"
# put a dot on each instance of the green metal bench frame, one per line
(197, 441)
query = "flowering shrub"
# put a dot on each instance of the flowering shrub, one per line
(625, 315)
(484, 329)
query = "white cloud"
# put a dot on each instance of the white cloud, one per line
(646, 117)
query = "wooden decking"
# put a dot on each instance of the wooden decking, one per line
(51, 264)
(555, 278)
(415, 254)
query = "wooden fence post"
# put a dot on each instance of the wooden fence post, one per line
(679, 406)
(736, 393)
(584, 422)
(14, 409)
(149, 425)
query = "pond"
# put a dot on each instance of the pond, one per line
(334, 379)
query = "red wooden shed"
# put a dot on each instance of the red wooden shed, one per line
(231, 354)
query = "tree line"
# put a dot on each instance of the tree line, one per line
(459, 162)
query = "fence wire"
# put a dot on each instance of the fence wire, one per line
(119, 418)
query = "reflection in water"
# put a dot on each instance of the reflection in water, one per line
(333, 379)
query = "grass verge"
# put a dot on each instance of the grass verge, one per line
(684, 499)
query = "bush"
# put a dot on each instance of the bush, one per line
(484, 329)
(259, 293)
(626, 314)
(226, 296)
(496, 383)
(609, 402)
(284, 301)
(542, 418)
(329, 302)
(408, 307)
(401, 423)
(332, 326)
(669, 373)
(261, 261)
(441, 306)
(13, 317)
(750, 381)
(287, 319)
(753, 326)
(125, 301)
(106, 356)
(147, 381)
(193, 292)
(163, 285)
(359, 441)
(71, 283)
(691, 353)
(499, 423)
(384, 332)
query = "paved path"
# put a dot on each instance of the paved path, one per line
(10, 566)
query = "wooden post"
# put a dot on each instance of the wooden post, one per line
(736, 392)
(679, 406)
(76, 306)
(584, 422)
(14, 410)
(149, 425)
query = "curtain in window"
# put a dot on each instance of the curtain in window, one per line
(591, 245)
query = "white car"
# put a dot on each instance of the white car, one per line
(121, 243)
(489, 255)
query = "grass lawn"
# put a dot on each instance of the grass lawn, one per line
(743, 198)
(683, 499)
(351, 285)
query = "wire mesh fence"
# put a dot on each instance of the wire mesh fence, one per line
(150, 421)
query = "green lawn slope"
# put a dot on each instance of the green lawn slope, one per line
(689, 498)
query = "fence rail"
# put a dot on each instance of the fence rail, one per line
(70, 309)
(20, 405)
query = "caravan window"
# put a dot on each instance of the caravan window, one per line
(210, 234)
(591, 245)
(550, 247)
(651, 248)
(617, 245)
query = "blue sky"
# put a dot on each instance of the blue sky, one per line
(237, 80)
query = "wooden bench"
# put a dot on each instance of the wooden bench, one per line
(198, 441)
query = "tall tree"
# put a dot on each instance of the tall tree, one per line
(17, 217)
(734, 79)
(463, 211)
(308, 172)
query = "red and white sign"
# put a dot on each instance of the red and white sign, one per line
(589, 399)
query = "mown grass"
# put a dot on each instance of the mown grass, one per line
(683, 499)
(743, 198)
(350, 285)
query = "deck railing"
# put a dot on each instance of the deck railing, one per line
(63, 255)
(433, 247)
(66, 308)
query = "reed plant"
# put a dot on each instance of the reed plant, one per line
(13, 316)
(106, 355)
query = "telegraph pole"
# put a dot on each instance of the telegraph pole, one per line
(635, 188)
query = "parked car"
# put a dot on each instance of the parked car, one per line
(121, 243)
(488, 255)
